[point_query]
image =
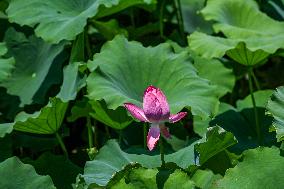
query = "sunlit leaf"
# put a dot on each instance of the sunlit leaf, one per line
(236, 20)
(15, 174)
(205, 179)
(261, 168)
(58, 20)
(276, 107)
(235, 25)
(139, 178)
(127, 68)
(179, 179)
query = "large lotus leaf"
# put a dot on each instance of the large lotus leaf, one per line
(117, 119)
(15, 174)
(217, 140)
(62, 171)
(261, 168)
(46, 121)
(236, 19)
(33, 58)
(106, 164)
(248, 52)
(64, 19)
(216, 73)
(6, 64)
(276, 107)
(126, 69)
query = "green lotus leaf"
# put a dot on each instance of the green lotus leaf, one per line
(237, 19)
(72, 82)
(15, 174)
(81, 108)
(275, 106)
(46, 121)
(261, 168)
(216, 73)
(58, 20)
(205, 179)
(179, 179)
(62, 171)
(6, 64)
(217, 140)
(105, 165)
(138, 178)
(262, 97)
(248, 52)
(34, 59)
(117, 119)
(193, 20)
(242, 124)
(110, 29)
(126, 69)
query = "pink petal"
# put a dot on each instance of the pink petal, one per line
(155, 105)
(136, 112)
(165, 131)
(176, 117)
(153, 137)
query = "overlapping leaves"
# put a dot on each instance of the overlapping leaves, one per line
(127, 68)
(58, 20)
(34, 59)
(105, 165)
(242, 43)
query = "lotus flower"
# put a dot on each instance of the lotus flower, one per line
(156, 111)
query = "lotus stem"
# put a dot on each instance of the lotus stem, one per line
(162, 152)
(180, 20)
(255, 80)
(90, 132)
(62, 145)
(258, 129)
(145, 135)
(161, 20)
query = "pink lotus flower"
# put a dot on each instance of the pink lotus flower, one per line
(155, 111)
